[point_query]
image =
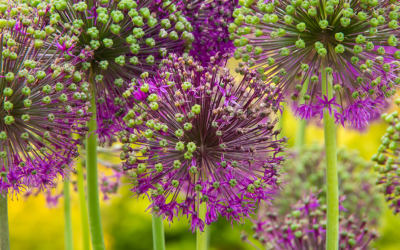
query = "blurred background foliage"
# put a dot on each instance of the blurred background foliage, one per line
(126, 224)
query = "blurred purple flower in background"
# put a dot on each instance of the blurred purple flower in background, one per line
(304, 227)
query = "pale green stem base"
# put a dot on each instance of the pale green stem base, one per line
(332, 183)
(67, 217)
(83, 208)
(301, 134)
(202, 237)
(4, 232)
(158, 233)
(96, 230)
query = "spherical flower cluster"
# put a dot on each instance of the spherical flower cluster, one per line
(387, 161)
(304, 46)
(124, 37)
(306, 169)
(304, 227)
(210, 20)
(118, 40)
(43, 100)
(196, 135)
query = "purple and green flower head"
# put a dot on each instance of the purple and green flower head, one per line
(387, 162)
(43, 100)
(300, 43)
(304, 227)
(196, 136)
(133, 35)
(118, 40)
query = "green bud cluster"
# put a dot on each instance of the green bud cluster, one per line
(386, 158)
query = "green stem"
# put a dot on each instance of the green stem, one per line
(332, 195)
(4, 232)
(96, 231)
(158, 233)
(67, 216)
(202, 237)
(301, 132)
(83, 208)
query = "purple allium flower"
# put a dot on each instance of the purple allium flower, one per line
(184, 146)
(306, 170)
(43, 101)
(304, 227)
(118, 40)
(210, 20)
(298, 43)
(387, 161)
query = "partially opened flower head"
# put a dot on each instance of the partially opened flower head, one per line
(387, 158)
(42, 100)
(304, 227)
(210, 20)
(300, 43)
(194, 136)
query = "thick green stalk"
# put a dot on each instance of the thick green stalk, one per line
(332, 183)
(4, 232)
(202, 237)
(96, 231)
(83, 208)
(158, 233)
(67, 217)
(301, 132)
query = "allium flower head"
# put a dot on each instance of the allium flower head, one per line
(387, 159)
(124, 37)
(304, 227)
(306, 170)
(42, 100)
(195, 136)
(210, 20)
(299, 43)
(118, 40)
